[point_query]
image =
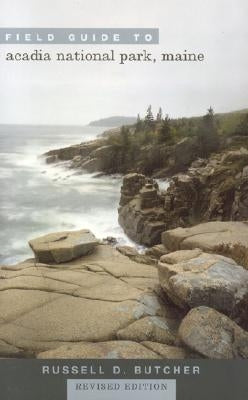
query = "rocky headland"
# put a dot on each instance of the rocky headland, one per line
(186, 296)
(157, 149)
(105, 156)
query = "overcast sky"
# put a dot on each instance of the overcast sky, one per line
(75, 93)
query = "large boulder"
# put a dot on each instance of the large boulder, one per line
(208, 236)
(192, 278)
(63, 246)
(213, 334)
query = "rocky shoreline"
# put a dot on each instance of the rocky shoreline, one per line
(100, 156)
(210, 190)
(90, 301)
(185, 297)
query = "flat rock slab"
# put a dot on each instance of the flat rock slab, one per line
(91, 299)
(213, 334)
(193, 278)
(208, 236)
(63, 246)
(109, 350)
(117, 350)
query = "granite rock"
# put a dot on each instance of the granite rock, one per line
(213, 334)
(63, 246)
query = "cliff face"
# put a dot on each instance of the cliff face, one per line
(141, 212)
(211, 190)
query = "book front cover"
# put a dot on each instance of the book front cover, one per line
(124, 200)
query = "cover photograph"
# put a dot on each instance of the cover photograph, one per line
(124, 200)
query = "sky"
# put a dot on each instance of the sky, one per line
(76, 93)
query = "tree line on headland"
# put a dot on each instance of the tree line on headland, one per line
(156, 132)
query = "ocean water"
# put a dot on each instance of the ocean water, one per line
(36, 198)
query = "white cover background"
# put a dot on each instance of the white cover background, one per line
(75, 93)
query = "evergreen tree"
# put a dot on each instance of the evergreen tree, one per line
(125, 139)
(149, 119)
(208, 135)
(139, 124)
(122, 148)
(164, 133)
(159, 115)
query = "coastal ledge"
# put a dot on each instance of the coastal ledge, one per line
(104, 155)
(104, 305)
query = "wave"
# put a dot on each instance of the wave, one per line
(37, 198)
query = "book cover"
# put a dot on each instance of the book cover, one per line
(124, 200)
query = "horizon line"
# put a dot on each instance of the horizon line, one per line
(112, 116)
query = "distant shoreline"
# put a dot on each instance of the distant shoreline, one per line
(113, 122)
